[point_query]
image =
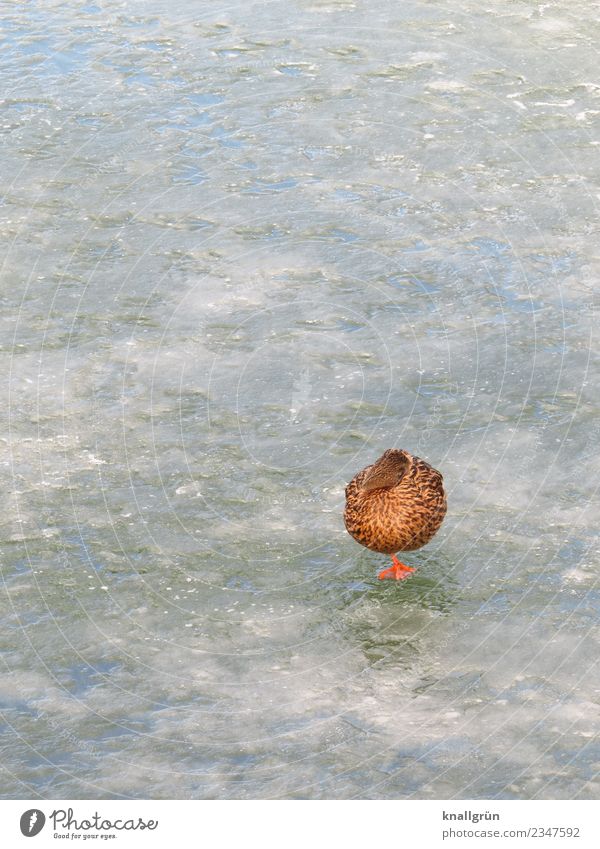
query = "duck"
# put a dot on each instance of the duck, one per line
(398, 503)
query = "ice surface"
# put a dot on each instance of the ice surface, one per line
(236, 266)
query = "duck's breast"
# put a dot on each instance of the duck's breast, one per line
(400, 519)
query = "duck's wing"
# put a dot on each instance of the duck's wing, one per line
(429, 482)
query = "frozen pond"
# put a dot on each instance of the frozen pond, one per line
(244, 250)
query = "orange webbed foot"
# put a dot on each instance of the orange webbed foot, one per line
(399, 571)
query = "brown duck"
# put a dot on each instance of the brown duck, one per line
(396, 504)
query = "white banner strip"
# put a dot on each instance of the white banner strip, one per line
(301, 824)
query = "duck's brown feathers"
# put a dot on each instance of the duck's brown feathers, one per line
(396, 504)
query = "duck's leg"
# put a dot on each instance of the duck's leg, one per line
(399, 571)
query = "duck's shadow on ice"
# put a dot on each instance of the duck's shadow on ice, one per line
(394, 620)
(431, 586)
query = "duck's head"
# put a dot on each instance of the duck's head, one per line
(388, 471)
